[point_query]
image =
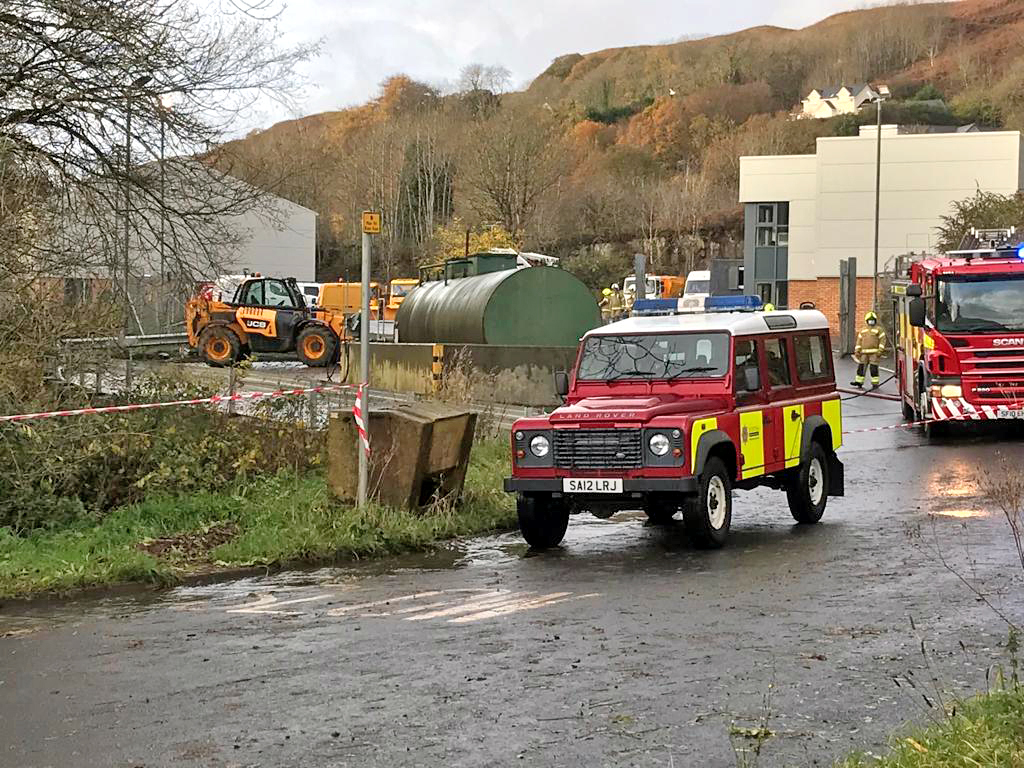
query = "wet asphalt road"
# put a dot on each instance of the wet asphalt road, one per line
(624, 647)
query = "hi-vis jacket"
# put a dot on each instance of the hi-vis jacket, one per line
(870, 341)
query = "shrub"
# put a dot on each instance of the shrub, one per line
(57, 472)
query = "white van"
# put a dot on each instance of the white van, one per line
(698, 288)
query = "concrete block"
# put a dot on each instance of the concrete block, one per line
(420, 453)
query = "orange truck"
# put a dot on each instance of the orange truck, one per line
(399, 288)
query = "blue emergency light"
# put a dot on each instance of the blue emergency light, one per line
(655, 307)
(649, 307)
(732, 304)
(1020, 251)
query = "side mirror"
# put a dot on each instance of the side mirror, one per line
(915, 312)
(914, 289)
(751, 378)
(561, 383)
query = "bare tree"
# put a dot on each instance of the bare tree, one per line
(83, 85)
(482, 77)
(84, 123)
(512, 160)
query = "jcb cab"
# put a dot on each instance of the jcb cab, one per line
(670, 413)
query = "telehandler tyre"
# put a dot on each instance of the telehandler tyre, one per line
(219, 346)
(317, 346)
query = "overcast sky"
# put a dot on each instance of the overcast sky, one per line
(364, 41)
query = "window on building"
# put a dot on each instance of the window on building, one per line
(778, 363)
(811, 361)
(772, 225)
(736, 278)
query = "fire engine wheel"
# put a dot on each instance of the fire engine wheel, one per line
(807, 490)
(316, 346)
(908, 411)
(542, 521)
(929, 428)
(709, 516)
(219, 346)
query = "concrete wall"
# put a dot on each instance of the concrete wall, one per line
(513, 375)
(469, 372)
(395, 367)
(832, 197)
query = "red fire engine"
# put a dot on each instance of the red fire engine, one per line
(959, 325)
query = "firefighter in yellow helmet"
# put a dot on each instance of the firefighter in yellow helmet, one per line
(606, 309)
(768, 307)
(870, 347)
(616, 302)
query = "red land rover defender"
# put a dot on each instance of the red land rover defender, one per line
(672, 412)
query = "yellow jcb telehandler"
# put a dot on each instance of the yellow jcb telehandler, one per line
(265, 315)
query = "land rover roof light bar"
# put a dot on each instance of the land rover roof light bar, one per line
(648, 307)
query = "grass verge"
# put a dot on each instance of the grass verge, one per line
(283, 519)
(987, 730)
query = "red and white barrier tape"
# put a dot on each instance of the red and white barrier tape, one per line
(212, 400)
(964, 412)
(357, 412)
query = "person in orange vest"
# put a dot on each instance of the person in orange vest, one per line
(870, 347)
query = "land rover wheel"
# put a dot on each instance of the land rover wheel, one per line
(709, 516)
(660, 511)
(542, 521)
(807, 489)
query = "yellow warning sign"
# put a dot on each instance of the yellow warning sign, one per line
(371, 222)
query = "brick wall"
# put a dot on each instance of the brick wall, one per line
(824, 292)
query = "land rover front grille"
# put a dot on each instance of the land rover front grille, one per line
(598, 448)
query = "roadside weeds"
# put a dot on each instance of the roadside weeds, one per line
(283, 519)
(987, 730)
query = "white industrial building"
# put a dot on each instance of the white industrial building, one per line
(280, 241)
(805, 213)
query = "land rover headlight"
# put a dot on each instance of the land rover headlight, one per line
(658, 444)
(540, 446)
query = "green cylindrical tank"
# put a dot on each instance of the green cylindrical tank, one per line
(535, 306)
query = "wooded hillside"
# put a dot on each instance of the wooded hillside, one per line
(629, 148)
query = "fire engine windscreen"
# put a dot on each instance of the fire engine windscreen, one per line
(654, 356)
(977, 305)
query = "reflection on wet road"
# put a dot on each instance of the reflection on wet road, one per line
(623, 647)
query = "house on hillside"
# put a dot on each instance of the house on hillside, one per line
(822, 103)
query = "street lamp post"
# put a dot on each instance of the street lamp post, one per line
(138, 82)
(881, 95)
(166, 101)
